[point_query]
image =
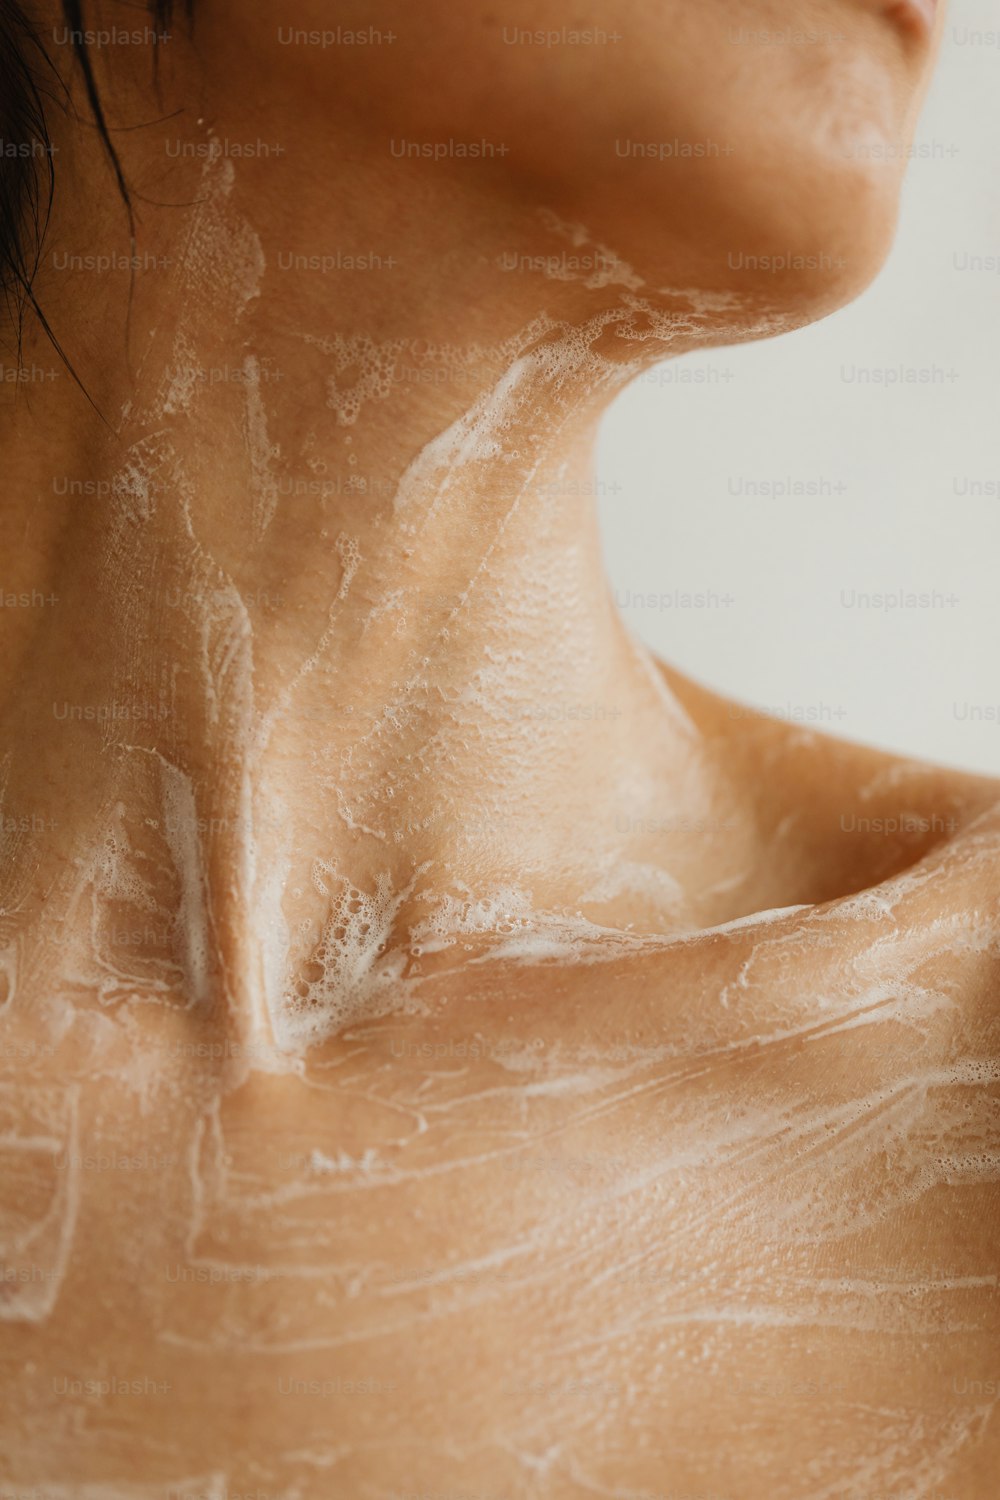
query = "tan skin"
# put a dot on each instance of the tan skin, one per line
(518, 1171)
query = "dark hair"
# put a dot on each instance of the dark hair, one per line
(27, 172)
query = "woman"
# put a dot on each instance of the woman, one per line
(447, 1053)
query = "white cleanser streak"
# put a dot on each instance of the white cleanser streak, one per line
(476, 437)
(181, 819)
(260, 449)
(49, 1237)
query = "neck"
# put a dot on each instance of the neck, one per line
(326, 612)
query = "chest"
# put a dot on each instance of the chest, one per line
(582, 1229)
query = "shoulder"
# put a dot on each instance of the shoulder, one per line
(844, 817)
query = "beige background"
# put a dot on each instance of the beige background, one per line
(892, 468)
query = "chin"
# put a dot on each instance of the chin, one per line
(781, 246)
(768, 178)
(802, 249)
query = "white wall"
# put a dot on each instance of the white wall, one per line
(890, 464)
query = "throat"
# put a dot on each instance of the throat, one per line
(335, 669)
(277, 770)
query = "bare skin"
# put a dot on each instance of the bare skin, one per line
(445, 1052)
